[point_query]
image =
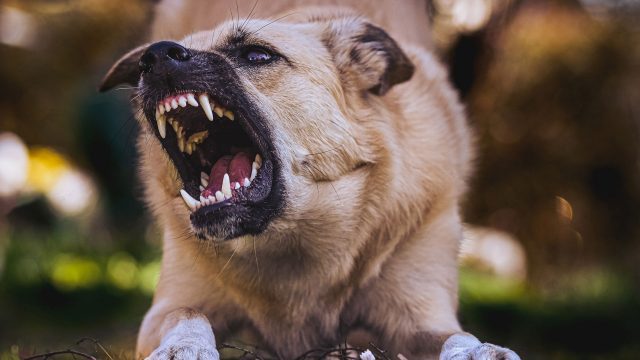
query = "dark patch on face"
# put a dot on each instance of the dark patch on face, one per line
(212, 73)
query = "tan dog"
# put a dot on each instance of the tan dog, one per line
(306, 173)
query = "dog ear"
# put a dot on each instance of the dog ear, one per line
(367, 55)
(125, 71)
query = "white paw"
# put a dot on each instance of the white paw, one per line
(185, 350)
(190, 339)
(468, 347)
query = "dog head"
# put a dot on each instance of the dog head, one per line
(256, 123)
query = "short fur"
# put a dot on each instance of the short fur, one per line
(375, 154)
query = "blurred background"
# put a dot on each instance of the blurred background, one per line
(550, 260)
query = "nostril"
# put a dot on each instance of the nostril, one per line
(179, 53)
(147, 61)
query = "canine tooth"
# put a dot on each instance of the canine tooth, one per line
(192, 203)
(246, 182)
(229, 115)
(161, 109)
(236, 185)
(219, 196)
(204, 182)
(258, 160)
(218, 110)
(254, 171)
(167, 106)
(204, 102)
(162, 125)
(201, 188)
(192, 100)
(204, 175)
(226, 186)
(182, 101)
(174, 104)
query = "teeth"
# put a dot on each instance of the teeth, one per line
(254, 171)
(182, 101)
(229, 114)
(218, 110)
(167, 106)
(258, 160)
(198, 137)
(192, 203)
(162, 124)
(175, 125)
(174, 104)
(236, 185)
(201, 188)
(246, 182)
(204, 182)
(204, 102)
(204, 175)
(192, 100)
(219, 196)
(161, 109)
(226, 186)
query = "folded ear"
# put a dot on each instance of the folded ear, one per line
(125, 71)
(367, 56)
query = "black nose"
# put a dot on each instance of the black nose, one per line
(163, 53)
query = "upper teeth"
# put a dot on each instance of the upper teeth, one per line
(206, 106)
(172, 102)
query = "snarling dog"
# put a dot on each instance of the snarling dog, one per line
(306, 174)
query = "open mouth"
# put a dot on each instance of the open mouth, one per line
(221, 158)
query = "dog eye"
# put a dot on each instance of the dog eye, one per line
(257, 56)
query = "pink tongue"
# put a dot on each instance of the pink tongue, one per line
(240, 167)
(237, 166)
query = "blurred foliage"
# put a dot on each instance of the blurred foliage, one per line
(552, 92)
(556, 111)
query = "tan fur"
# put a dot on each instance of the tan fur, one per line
(370, 231)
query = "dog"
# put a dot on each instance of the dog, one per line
(306, 171)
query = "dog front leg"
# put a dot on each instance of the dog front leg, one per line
(464, 346)
(184, 334)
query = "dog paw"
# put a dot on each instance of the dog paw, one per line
(468, 347)
(189, 337)
(185, 350)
